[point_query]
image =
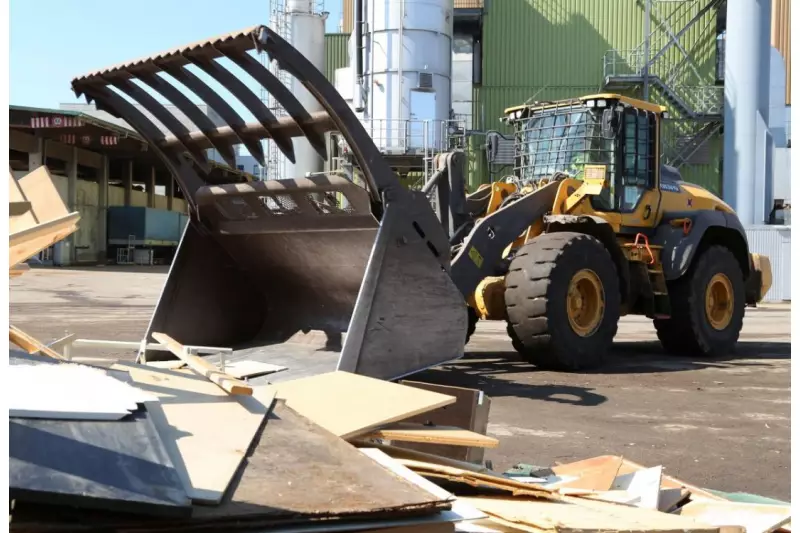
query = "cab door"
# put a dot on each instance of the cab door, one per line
(638, 194)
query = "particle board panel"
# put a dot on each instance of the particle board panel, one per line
(40, 190)
(297, 468)
(585, 516)
(206, 431)
(406, 432)
(349, 404)
(753, 517)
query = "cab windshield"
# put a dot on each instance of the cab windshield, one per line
(561, 140)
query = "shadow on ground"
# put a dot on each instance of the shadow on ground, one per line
(497, 372)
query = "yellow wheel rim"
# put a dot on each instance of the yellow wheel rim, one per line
(586, 302)
(719, 301)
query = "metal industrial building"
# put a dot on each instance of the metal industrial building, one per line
(105, 171)
(672, 52)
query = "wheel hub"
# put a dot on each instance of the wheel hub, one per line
(585, 302)
(719, 301)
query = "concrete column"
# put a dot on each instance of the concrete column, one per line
(127, 180)
(170, 192)
(102, 212)
(72, 196)
(151, 188)
(36, 159)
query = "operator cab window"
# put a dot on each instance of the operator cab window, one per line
(638, 153)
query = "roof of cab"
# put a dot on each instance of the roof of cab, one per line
(641, 104)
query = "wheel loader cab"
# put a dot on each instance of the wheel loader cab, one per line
(605, 137)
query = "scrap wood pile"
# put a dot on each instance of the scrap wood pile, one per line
(134, 447)
(37, 219)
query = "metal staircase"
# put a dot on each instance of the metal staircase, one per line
(663, 63)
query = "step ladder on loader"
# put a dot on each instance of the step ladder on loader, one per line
(263, 262)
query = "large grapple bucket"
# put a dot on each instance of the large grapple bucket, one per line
(264, 266)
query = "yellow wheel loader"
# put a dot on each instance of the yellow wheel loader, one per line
(589, 228)
(592, 227)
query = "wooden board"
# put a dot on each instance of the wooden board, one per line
(753, 517)
(479, 480)
(227, 383)
(205, 430)
(28, 242)
(470, 411)
(349, 404)
(297, 468)
(585, 516)
(40, 190)
(403, 431)
(596, 473)
(30, 344)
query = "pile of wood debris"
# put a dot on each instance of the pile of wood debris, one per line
(138, 448)
(157, 447)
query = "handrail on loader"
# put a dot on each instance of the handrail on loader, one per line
(261, 262)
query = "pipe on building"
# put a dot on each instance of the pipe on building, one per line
(743, 54)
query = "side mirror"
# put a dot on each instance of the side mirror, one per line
(610, 123)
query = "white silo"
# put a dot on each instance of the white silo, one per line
(403, 88)
(301, 23)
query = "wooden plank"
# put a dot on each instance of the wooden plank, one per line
(585, 516)
(479, 479)
(227, 383)
(40, 190)
(206, 431)
(402, 431)
(753, 517)
(349, 404)
(30, 344)
(18, 270)
(26, 243)
(470, 411)
(596, 473)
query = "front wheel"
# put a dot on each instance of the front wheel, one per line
(707, 307)
(563, 301)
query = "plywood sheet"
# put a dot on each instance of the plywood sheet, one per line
(596, 473)
(403, 431)
(40, 190)
(349, 404)
(585, 516)
(753, 517)
(205, 430)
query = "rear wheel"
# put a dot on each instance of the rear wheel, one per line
(707, 307)
(563, 301)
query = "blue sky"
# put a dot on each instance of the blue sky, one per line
(53, 41)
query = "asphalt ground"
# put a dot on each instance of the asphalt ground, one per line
(722, 424)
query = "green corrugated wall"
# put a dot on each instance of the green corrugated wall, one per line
(553, 49)
(335, 53)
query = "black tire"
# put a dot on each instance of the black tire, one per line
(472, 322)
(536, 301)
(689, 331)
